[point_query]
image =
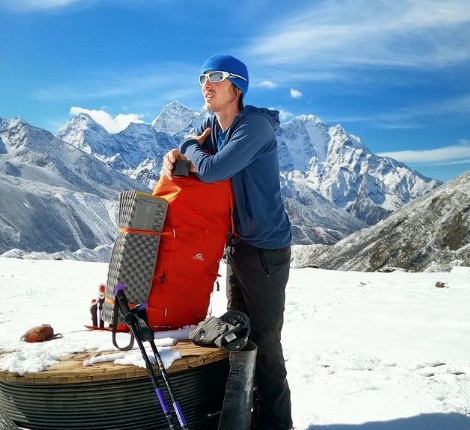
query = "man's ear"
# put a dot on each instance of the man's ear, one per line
(237, 91)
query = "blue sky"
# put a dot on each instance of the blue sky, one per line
(395, 73)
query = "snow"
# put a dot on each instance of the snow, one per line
(364, 351)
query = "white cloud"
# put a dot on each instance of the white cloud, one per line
(30, 5)
(268, 84)
(285, 116)
(295, 94)
(110, 124)
(409, 33)
(453, 154)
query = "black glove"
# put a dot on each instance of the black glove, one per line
(230, 331)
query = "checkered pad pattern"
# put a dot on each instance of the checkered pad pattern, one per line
(141, 211)
(135, 253)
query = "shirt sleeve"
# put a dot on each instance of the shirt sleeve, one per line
(253, 136)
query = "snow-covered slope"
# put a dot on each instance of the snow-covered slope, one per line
(136, 151)
(54, 196)
(431, 233)
(343, 170)
(364, 351)
(314, 218)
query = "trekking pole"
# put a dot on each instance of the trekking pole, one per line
(142, 332)
(176, 405)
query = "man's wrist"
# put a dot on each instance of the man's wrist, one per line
(186, 143)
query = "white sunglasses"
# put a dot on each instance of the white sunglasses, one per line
(217, 76)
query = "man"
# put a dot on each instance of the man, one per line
(239, 143)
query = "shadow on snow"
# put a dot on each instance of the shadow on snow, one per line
(436, 421)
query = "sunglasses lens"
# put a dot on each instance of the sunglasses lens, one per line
(216, 76)
(213, 77)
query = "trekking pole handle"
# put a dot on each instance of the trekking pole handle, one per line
(121, 297)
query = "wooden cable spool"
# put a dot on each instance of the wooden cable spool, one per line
(107, 396)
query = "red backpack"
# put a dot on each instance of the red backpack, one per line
(197, 224)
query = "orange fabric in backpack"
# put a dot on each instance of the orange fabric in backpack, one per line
(197, 224)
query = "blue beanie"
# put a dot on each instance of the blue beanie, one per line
(227, 63)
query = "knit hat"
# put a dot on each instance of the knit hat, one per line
(227, 63)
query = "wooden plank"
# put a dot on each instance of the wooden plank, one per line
(70, 369)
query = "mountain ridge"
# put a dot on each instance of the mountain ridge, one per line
(332, 185)
(431, 233)
(54, 196)
(335, 164)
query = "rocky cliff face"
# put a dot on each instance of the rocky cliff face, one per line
(429, 234)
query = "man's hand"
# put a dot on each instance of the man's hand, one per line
(170, 159)
(171, 156)
(202, 137)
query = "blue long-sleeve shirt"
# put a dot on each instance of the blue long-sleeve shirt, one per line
(247, 153)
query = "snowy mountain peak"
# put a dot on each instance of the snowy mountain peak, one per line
(86, 134)
(81, 121)
(174, 118)
(16, 122)
(342, 169)
(22, 138)
(337, 130)
(306, 118)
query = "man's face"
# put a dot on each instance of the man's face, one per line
(219, 95)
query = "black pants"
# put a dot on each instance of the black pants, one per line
(256, 285)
